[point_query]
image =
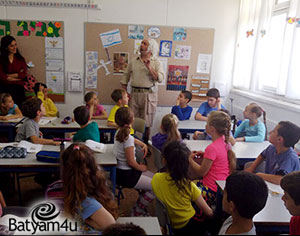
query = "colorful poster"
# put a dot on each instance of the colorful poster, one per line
(177, 77)
(111, 38)
(183, 52)
(179, 34)
(136, 32)
(154, 32)
(164, 63)
(120, 62)
(203, 65)
(137, 44)
(55, 81)
(91, 81)
(165, 49)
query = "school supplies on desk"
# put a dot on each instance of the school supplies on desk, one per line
(13, 152)
(48, 156)
(46, 120)
(95, 146)
(275, 189)
(30, 147)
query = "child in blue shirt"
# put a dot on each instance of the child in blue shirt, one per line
(87, 130)
(280, 156)
(213, 104)
(8, 109)
(252, 129)
(182, 110)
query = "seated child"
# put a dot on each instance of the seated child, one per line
(87, 195)
(120, 97)
(87, 130)
(97, 111)
(41, 91)
(8, 109)
(169, 132)
(245, 195)
(280, 156)
(182, 110)
(213, 104)
(252, 129)
(33, 110)
(175, 189)
(124, 229)
(291, 185)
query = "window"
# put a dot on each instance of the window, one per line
(266, 59)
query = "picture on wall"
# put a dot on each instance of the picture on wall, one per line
(177, 77)
(182, 52)
(179, 34)
(136, 32)
(120, 62)
(165, 49)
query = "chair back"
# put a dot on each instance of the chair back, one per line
(157, 157)
(162, 215)
(139, 126)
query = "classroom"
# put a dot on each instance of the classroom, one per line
(244, 49)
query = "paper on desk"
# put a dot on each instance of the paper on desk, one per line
(45, 120)
(95, 146)
(3, 145)
(30, 147)
(274, 188)
(16, 120)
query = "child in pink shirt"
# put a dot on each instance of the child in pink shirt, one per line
(218, 160)
(97, 111)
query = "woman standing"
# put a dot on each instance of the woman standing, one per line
(13, 69)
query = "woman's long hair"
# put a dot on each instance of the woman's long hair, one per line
(5, 42)
(82, 178)
(222, 123)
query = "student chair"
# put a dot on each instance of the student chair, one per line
(157, 157)
(162, 215)
(139, 126)
(260, 168)
(120, 194)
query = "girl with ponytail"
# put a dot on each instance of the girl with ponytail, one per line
(169, 132)
(218, 160)
(87, 196)
(130, 173)
(252, 129)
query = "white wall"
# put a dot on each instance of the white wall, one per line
(218, 14)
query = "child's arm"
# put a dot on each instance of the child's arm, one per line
(142, 145)
(52, 109)
(112, 124)
(129, 154)
(100, 219)
(102, 117)
(201, 203)
(232, 141)
(198, 116)
(38, 140)
(238, 130)
(275, 179)
(2, 201)
(198, 171)
(197, 134)
(255, 164)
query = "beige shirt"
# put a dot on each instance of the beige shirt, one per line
(141, 76)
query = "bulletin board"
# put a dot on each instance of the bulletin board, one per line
(198, 40)
(31, 39)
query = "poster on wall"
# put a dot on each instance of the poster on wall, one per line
(137, 44)
(203, 64)
(120, 62)
(165, 49)
(136, 32)
(179, 34)
(55, 82)
(182, 52)
(154, 32)
(55, 42)
(177, 77)
(164, 62)
(91, 58)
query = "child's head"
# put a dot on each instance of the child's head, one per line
(124, 118)
(213, 95)
(120, 97)
(245, 194)
(81, 115)
(82, 177)
(285, 133)
(91, 96)
(6, 101)
(185, 97)
(169, 125)
(44, 89)
(253, 111)
(33, 108)
(218, 122)
(123, 229)
(176, 154)
(290, 183)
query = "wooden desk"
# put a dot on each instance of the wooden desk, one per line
(245, 151)
(190, 126)
(274, 216)
(149, 224)
(30, 164)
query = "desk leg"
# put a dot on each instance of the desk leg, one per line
(19, 189)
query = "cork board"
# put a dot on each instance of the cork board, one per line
(200, 40)
(30, 36)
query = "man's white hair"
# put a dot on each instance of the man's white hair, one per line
(153, 47)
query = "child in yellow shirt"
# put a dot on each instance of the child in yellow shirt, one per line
(41, 92)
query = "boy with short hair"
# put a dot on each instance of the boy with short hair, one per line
(33, 109)
(291, 185)
(213, 104)
(245, 195)
(41, 92)
(87, 130)
(280, 156)
(182, 110)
